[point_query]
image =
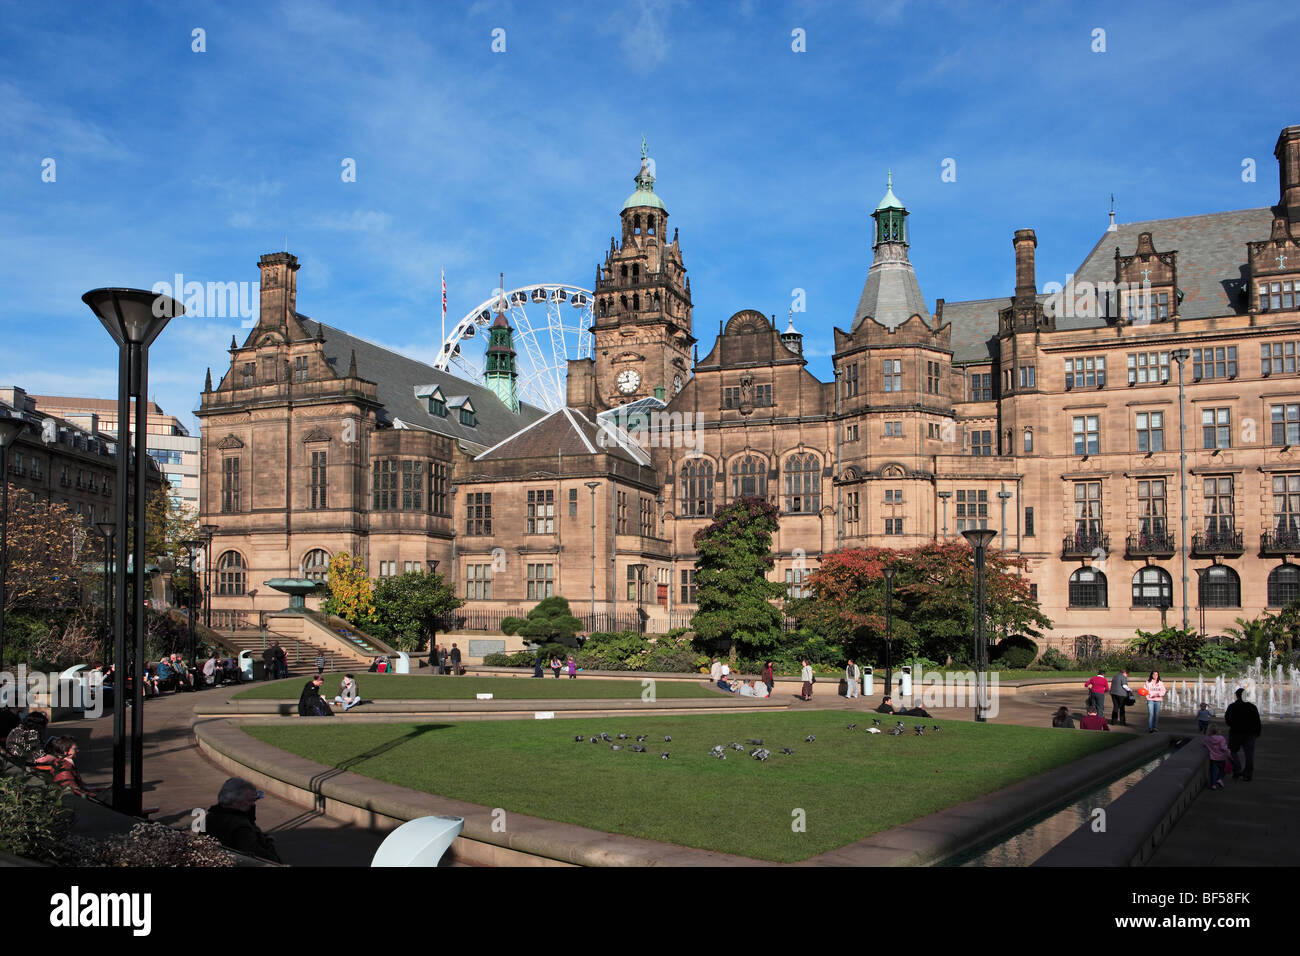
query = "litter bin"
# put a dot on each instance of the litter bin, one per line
(905, 682)
(248, 665)
(868, 682)
(403, 663)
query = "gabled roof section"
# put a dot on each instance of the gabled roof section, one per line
(1211, 256)
(567, 432)
(401, 380)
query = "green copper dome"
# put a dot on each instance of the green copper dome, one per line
(645, 187)
(890, 201)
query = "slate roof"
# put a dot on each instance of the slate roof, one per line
(1211, 268)
(398, 378)
(568, 432)
(891, 294)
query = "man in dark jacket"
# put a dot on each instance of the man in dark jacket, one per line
(455, 659)
(1244, 728)
(886, 706)
(310, 702)
(268, 663)
(232, 821)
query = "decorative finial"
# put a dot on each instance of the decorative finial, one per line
(500, 305)
(233, 346)
(207, 384)
(889, 180)
(644, 152)
(352, 365)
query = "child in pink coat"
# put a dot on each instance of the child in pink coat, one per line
(1219, 755)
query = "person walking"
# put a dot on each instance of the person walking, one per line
(1097, 687)
(1155, 689)
(852, 680)
(806, 675)
(1244, 728)
(768, 677)
(1219, 752)
(1121, 696)
(443, 661)
(433, 658)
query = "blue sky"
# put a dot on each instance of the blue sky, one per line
(769, 160)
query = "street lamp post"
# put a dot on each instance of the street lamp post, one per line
(889, 631)
(1180, 356)
(980, 539)
(593, 485)
(108, 531)
(1003, 496)
(208, 531)
(191, 545)
(134, 318)
(11, 426)
(944, 496)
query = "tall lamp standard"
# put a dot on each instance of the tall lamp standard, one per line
(11, 427)
(889, 631)
(134, 318)
(593, 485)
(191, 545)
(1180, 356)
(208, 531)
(108, 531)
(980, 539)
(944, 496)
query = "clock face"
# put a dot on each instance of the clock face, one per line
(627, 381)
(677, 384)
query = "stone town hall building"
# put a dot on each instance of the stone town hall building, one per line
(1051, 416)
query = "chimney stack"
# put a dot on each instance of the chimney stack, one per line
(1287, 152)
(1026, 285)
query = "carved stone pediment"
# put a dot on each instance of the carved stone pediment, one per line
(230, 441)
(318, 434)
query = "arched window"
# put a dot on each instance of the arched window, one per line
(749, 477)
(697, 487)
(1283, 585)
(1029, 440)
(1220, 587)
(623, 301)
(636, 271)
(1153, 587)
(604, 307)
(1087, 588)
(231, 573)
(316, 565)
(650, 224)
(803, 484)
(624, 268)
(636, 301)
(636, 224)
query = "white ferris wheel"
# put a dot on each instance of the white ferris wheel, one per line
(552, 324)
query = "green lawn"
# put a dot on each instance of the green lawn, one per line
(850, 784)
(433, 687)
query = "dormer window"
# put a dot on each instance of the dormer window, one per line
(437, 406)
(1143, 306)
(1278, 296)
(467, 417)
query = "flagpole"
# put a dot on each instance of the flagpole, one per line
(443, 341)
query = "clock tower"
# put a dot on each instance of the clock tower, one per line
(642, 324)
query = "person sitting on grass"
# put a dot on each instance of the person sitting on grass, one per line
(1217, 745)
(886, 705)
(348, 695)
(310, 702)
(1062, 718)
(916, 711)
(1093, 720)
(724, 684)
(60, 761)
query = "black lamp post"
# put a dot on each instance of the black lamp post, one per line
(191, 545)
(134, 318)
(108, 531)
(11, 427)
(208, 531)
(889, 631)
(979, 539)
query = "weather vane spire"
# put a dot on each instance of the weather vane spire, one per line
(644, 151)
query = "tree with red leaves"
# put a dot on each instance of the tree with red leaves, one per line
(932, 600)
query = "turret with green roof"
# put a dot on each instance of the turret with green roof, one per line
(645, 187)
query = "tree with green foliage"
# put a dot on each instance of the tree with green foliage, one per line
(550, 622)
(733, 594)
(932, 603)
(408, 606)
(167, 524)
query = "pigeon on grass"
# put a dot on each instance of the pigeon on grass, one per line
(810, 738)
(787, 751)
